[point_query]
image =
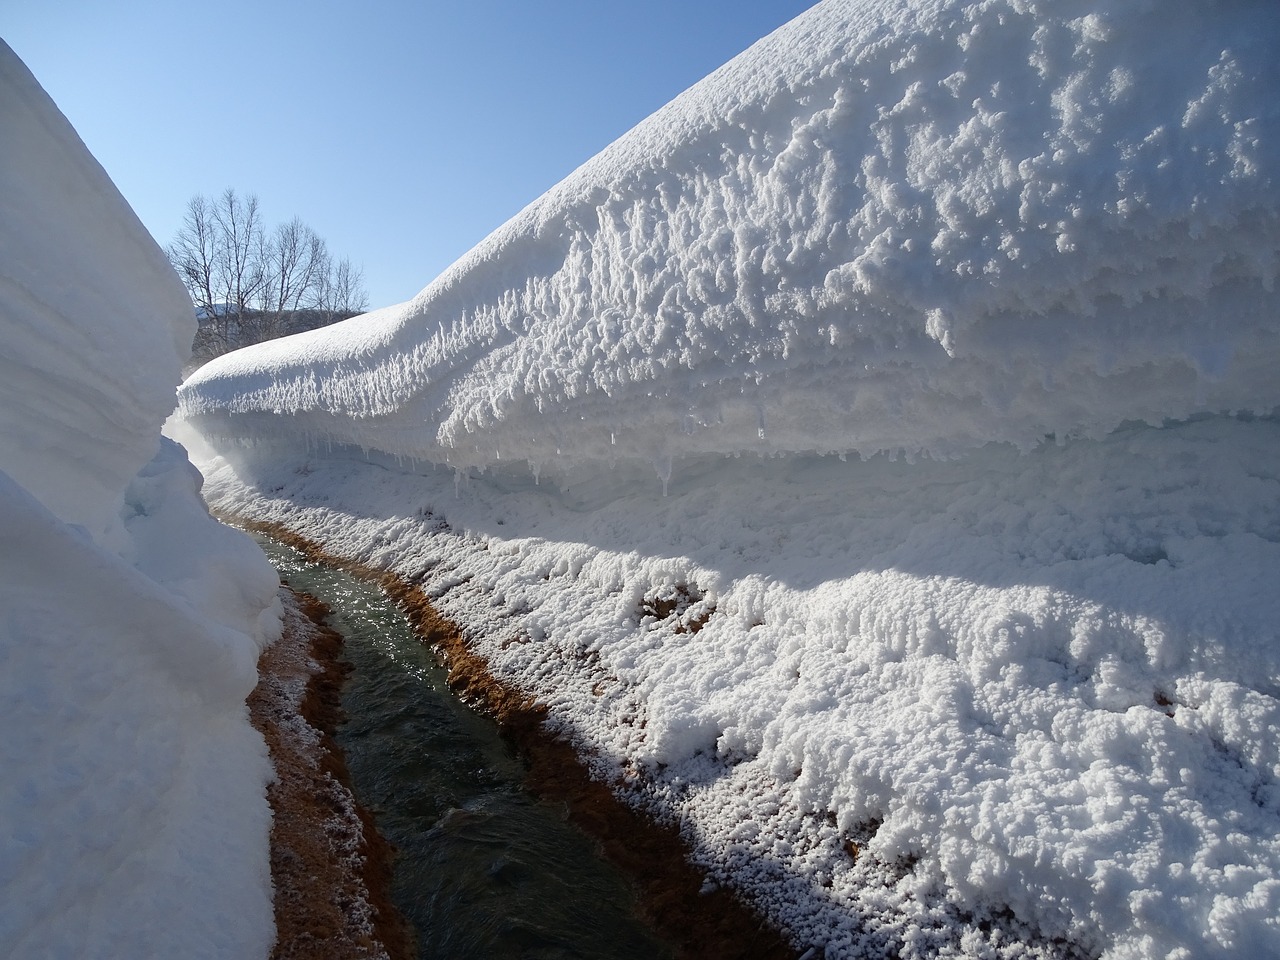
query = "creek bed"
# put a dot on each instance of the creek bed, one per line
(484, 869)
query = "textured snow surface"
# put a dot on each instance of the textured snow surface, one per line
(889, 225)
(1006, 681)
(1043, 682)
(133, 798)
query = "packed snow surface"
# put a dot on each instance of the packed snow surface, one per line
(133, 798)
(1005, 679)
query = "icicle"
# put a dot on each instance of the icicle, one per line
(664, 473)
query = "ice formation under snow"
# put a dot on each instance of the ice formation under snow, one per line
(133, 798)
(1016, 691)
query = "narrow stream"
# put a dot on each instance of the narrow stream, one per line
(484, 869)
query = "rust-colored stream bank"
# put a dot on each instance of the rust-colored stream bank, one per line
(330, 868)
(708, 926)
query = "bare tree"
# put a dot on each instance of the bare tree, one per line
(240, 226)
(248, 285)
(195, 254)
(294, 261)
(341, 292)
(218, 252)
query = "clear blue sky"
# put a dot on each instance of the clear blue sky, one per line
(402, 132)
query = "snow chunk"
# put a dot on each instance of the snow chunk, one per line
(133, 794)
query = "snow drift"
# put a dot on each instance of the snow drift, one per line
(1018, 690)
(133, 796)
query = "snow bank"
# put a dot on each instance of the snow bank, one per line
(889, 225)
(953, 707)
(86, 291)
(999, 697)
(133, 796)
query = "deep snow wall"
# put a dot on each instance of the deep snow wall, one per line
(915, 225)
(133, 800)
(87, 364)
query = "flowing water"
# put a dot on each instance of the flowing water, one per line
(484, 869)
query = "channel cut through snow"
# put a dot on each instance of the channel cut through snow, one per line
(133, 813)
(1006, 679)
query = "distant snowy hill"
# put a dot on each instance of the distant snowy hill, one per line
(133, 813)
(871, 459)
